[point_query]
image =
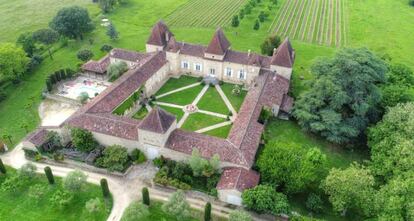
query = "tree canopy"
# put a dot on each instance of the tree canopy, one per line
(265, 199)
(344, 97)
(270, 44)
(399, 85)
(72, 22)
(13, 62)
(291, 167)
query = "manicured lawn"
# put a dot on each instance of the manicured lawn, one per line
(182, 97)
(175, 83)
(20, 207)
(176, 111)
(221, 132)
(141, 113)
(212, 101)
(235, 100)
(198, 121)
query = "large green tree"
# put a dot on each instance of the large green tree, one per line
(344, 97)
(83, 140)
(27, 42)
(13, 62)
(72, 22)
(350, 188)
(270, 44)
(291, 167)
(399, 85)
(392, 142)
(47, 37)
(265, 199)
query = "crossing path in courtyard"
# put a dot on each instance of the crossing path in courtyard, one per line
(178, 90)
(169, 105)
(213, 127)
(195, 101)
(212, 113)
(226, 100)
(124, 189)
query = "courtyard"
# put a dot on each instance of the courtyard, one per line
(198, 107)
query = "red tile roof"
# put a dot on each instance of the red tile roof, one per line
(238, 178)
(173, 45)
(97, 66)
(219, 44)
(127, 55)
(158, 121)
(284, 56)
(160, 34)
(287, 104)
(37, 137)
(192, 50)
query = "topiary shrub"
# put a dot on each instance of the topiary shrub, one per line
(207, 212)
(106, 48)
(145, 196)
(84, 55)
(105, 189)
(2, 167)
(137, 156)
(49, 175)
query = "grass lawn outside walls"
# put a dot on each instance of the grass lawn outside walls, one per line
(20, 207)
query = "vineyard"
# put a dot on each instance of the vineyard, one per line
(317, 21)
(205, 13)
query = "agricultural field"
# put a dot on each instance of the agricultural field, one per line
(205, 13)
(322, 22)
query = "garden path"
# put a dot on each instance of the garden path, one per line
(213, 127)
(179, 89)
(226, 100)
(169, 105)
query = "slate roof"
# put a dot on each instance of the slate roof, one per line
(219, 44)
(238, 178)
(284, 56)
(160, 34)
(157, 121)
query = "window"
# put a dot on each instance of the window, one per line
(229, 72)
(198, 67)
(242, 75)
(184, 65)
(212, 71)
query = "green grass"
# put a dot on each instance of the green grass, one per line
(212, 101)
(176, 111)
(198, 121)
(21, 16)
(221, 132)
(20, 207)
(182, 97)
(235, 100)
(175, 83)
(141, 113)
(124, 106)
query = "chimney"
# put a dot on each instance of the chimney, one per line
(167, 37)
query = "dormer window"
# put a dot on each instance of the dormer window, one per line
(242, 75)
(185, 65)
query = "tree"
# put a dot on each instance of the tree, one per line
(350, 188)
(106, 48)
(135, 211)
(47, 37)
(235, 21)
(112, 32)
(265, 199)
(145, 196)
(105, 189)
(72, 22)
(83, 140)
(116, 69)
(344, 97)
(49, 175)
(7, 136)
(84, 55)
(93, 205)
(411, 2)
(394, 200)
(256, 25)
(197, 163)
(291, 167)
(83, 97)
(27, 42)
(106, 5)
(13, 62)
(2, 167)
(177, 205)
(270, 43)
(397, 89)
(314, 203)
(239, 215)
(392, 142)
(75, 181)
(27, 171)
(114, 157)
(61, 198)
(241, 14)
(262, 16)
(207, 212)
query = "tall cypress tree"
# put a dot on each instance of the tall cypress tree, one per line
(145, 196)
(2, 167)
(207, 212)
(105, 188)
(49, 175)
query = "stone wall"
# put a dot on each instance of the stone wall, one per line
(231, 196)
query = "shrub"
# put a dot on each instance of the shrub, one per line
(114, 157)
(61, 198)
(37, 191)
(3, 95)
(82, 139)
(177, 205)
(207, 212)
(49, 175)
(411, 2)
(58, 157)
(235, 21)
(106, 48)
(83, 97)
(2, 167)
(269, 44)
(105, 189)
(75, 181)
(84, 55)
(265, 199)
(314, 203)
(93, 205)
(137, 156)
(159, 161)
(145, 196)
(12, 184)
(256, 25)
(262, 16)
(28, 170)
(135, 211)
(238, 215)
(116, 69)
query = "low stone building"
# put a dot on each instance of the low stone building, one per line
(266, 77)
